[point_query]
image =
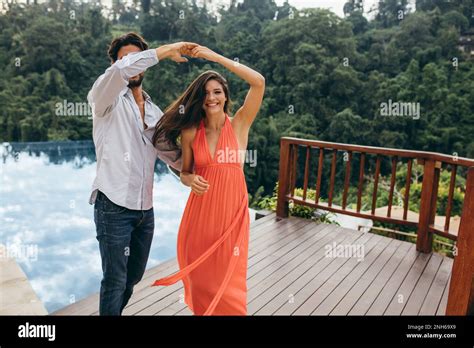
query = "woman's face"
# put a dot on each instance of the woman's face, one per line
(215, 98)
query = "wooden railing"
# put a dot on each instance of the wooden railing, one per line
(461, 293)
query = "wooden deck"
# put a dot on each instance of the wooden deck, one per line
(289, 274)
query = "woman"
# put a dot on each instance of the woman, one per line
(214, 231)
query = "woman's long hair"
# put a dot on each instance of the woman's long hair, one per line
(186, 111)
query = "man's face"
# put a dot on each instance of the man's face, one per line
(136, 80)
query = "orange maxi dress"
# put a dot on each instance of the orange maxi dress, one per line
(213, 236)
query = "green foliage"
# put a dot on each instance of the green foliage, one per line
(270, 203)
(443, 193)
(326, 76)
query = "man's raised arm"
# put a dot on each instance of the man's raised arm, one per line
(106, 89)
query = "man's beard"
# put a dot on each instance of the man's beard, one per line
(136, 83)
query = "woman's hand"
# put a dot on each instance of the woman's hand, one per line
(199, 185)
(176, 51)
(204, 53)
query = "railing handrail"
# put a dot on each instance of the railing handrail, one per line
(450, 159)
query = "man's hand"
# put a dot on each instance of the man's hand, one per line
(176, 51)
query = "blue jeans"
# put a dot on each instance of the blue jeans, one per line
(125, 238)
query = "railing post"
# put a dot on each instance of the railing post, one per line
(461, 288)
(429, 193)
(283, 179)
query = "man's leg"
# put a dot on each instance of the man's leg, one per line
(140, 244)
(114, 225)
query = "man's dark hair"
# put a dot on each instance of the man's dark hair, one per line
(124, 40)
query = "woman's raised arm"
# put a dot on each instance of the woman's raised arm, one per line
(247, 113)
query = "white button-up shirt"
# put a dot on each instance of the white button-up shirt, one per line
(125, 154)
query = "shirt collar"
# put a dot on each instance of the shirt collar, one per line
(128, 91)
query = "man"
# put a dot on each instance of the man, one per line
(124, 118)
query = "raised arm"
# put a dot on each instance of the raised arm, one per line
(247, 113)
(106, 89)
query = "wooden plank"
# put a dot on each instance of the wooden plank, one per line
(313, 279)
(390, 289)
(368, 297)
(308, 235)
(266, 228)
(184, 311)
(277, 234)
(407, 189)
(174, 293)
(306, 172)
(361, 181)
(376, 185)
(364, 282)
(289, 284)
(433, 298)
(269, 230)
(259, 293)
(452, 184)
(325, 282)
(421, 288)
(461, 291)
(444, 300)
(258, 222)
(347, 276)
(283, 179)
(283, 252)
(424, 241)
(347, 181)
(163, 298)
(401, 297)
(293, 169)
(392, 185)
(333, 176)
(282, 291)
(320, 174)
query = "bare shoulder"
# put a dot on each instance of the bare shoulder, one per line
(188, 135)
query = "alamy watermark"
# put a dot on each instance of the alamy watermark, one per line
(397, 108)
(237, 156)
(73, 109)
(345, 251)
(28, 330)
(19, 252)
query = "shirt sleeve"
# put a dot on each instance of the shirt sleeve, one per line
(107, 88)
(169, 153)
